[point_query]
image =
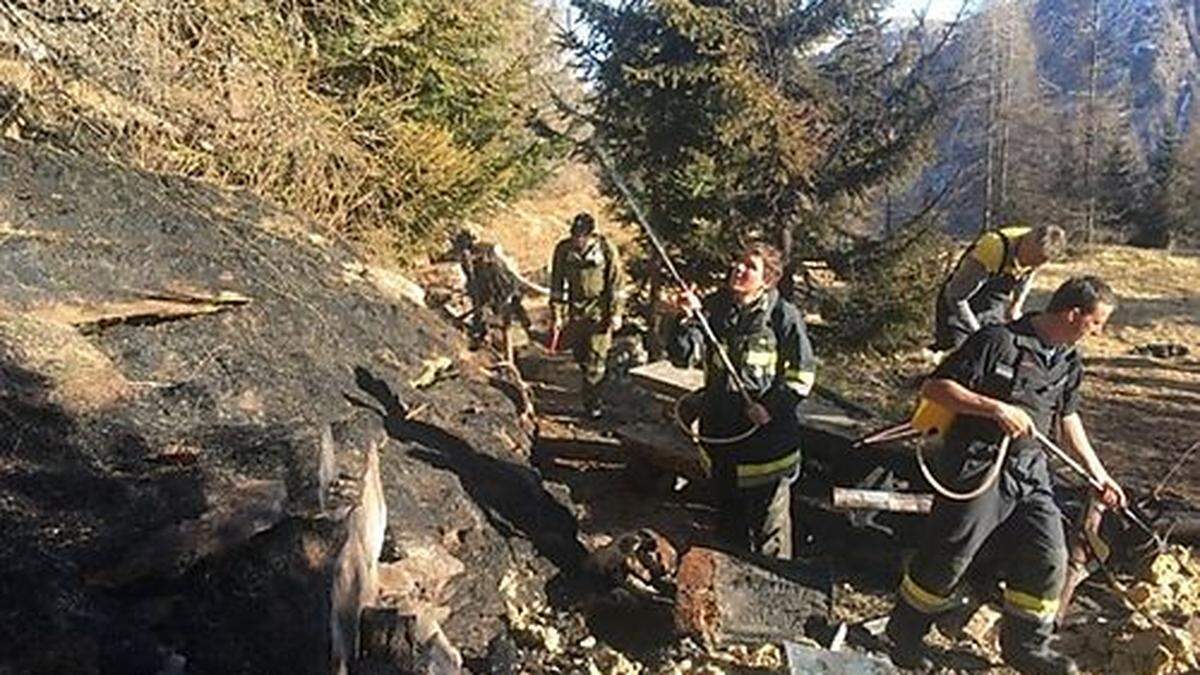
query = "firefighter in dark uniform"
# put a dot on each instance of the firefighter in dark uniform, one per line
(494, 286)
(991, 281)
(1004, 381)
(585, 298)
(765, 338)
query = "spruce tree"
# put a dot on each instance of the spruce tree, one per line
(1162, 205)
(776, 119)
(1118, 181)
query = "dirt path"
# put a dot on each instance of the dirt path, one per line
(614, 493)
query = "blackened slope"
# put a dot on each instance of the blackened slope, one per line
(212, 402)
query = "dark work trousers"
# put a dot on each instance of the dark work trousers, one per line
(508, 310)
(1018, 516)
(589, 340)
(756, 519)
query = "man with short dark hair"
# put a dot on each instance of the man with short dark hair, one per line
(991, 281)
(1005, 381)
(766, 341)
(585, 295)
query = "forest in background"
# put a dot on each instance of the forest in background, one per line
(846, 139)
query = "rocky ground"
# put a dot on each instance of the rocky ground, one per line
(226, 437)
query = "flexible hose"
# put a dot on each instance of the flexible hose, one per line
(988, 480)
(707, 440)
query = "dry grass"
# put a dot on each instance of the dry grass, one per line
(232, 94)
(1142, 411)
(529, 228)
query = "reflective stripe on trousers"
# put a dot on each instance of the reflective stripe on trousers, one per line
(922, 599)
(751, 475)
(1030, 607)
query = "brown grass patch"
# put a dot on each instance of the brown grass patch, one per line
(529, 228)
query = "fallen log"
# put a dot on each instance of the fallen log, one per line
(662, 446)
(881, 500)
(722, 599)
(824, 410)
(663, 378)
(143, 307)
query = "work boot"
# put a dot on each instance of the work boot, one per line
(906, 628)
(1025, 646)
(953, 621)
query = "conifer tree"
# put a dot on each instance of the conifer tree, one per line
(1162, 212)
(1118, 195)
(776, 119)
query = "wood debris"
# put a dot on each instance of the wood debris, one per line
(643, 562)
(1162, 637)
(143, 307)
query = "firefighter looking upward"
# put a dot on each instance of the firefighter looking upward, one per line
(765, 339)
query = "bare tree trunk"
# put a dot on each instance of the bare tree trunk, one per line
(1003, 106)
(1090, 130)
(990, 127)
(1190, 24)
(887, 212)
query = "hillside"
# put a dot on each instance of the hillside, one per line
(1017, 83)
(217, 451)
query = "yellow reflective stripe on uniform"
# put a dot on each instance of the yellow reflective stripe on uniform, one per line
(752, 470)
(750, 475)
(1030, 605)
(756, 357)
(706, 462)
(801, 381)
(922, 600)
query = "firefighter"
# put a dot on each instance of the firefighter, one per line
(494, 285)
(991, 281)
(585, 299)
(765, 338)
(1005, 381)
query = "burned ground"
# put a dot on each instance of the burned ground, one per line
(238, 439)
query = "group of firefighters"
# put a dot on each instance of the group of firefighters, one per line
(1004, 376)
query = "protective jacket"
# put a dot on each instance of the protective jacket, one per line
(769, 347)
(1017, 517)
(489, 281)
(981, 288)
(586, 283)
